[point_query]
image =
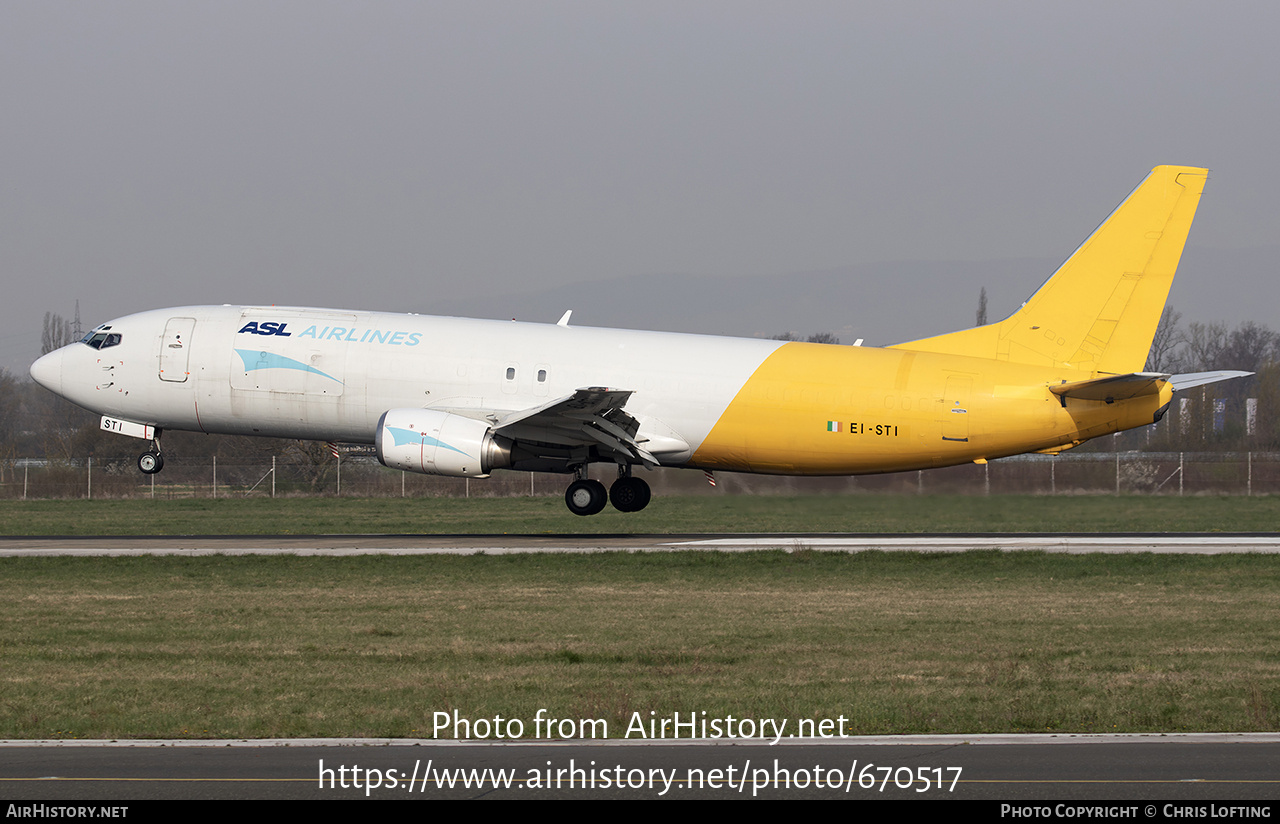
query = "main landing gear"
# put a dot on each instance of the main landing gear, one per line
(629, 494)
(588, 497)
(585, 497)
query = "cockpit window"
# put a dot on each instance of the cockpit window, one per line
(100, 339)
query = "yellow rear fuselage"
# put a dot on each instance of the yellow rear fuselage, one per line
(813, 409)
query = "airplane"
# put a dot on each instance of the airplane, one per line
(463, 397)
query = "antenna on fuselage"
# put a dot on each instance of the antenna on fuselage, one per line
(564, 319)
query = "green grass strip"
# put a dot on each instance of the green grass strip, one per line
(702, 513)
(892, 642)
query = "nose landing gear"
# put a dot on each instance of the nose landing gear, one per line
(151, 462)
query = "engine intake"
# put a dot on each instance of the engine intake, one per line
(439, 443)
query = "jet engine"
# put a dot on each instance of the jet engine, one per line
(439, 443)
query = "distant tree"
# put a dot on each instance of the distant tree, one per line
(312, 460)
(816, 337)
(1203, 347)
(62, 429)
(1165, 344)
(57, 333)
(9, 418)
(1249, 347)
(982, 307)
(1267, 434)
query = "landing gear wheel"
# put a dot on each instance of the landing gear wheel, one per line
(586, 497)
(629, 494)
(150, 463)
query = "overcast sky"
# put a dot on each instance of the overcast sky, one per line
(388, 155)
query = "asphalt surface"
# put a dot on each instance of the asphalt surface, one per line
(1148, 770)
(1076, 543)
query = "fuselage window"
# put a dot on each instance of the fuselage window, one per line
(511, 373)
(542, 376)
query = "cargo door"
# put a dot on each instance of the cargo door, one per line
(954, 414)
(175, 350)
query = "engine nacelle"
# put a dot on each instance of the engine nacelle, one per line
(439, 443)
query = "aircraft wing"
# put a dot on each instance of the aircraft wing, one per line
(592, 416)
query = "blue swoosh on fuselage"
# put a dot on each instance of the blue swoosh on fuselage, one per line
(257, 359)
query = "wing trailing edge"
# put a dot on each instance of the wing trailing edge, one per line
(590, 416)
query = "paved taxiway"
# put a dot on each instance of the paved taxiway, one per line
(1139, 768)
(1075, 543)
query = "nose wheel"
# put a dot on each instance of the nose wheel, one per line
(150, 463)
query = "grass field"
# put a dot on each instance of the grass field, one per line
(893, 643)
(728, 513)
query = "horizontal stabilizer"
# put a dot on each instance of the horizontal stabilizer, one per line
(1191, 379)
(1138, 384)
(1113, 388)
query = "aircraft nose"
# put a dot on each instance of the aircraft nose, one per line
(47, 371)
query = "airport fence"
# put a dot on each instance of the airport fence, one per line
(1159, 473)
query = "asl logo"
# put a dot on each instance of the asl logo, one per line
(268, 328)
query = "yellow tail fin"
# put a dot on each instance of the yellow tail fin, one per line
(1099, 311)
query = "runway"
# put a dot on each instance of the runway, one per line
(1148, 771)
(339, 545)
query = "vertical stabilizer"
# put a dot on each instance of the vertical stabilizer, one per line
(1099, 311)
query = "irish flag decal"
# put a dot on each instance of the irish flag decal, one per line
(833, 426)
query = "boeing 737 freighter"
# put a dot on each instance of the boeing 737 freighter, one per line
(451, 396)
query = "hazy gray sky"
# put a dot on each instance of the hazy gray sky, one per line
(387, 155)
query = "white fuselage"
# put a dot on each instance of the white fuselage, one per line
(329, 374)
